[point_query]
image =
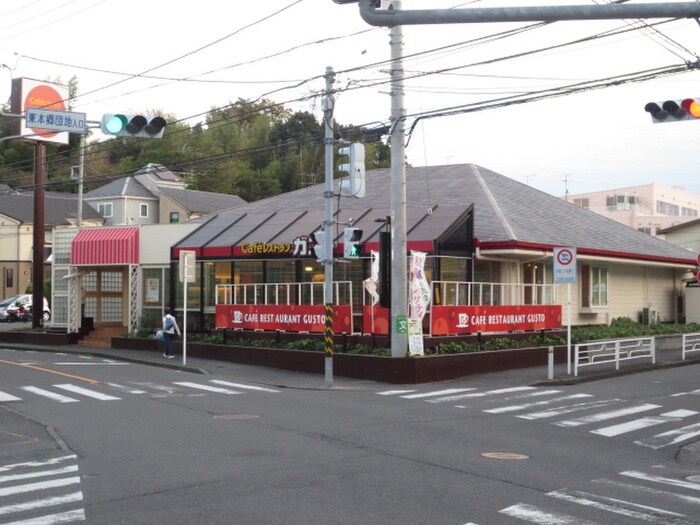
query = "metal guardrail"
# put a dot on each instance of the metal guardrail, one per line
(613, 351)
(691, 343)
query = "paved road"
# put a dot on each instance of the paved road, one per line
(110, 441)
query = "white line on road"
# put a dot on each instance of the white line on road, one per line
(630, 426)
(533, 514)
(39, 474)
(52, 461)
(495, 392)
(206, 387)
(560, 411)
(394, 392)
(87, 393)
(660, 479)
(515, 408)
(42, 503)
(51, 395)
(39, 485)
(671, 437)
(436, 393)
(604, 416)
(8, 397)
(245, 387)
(53, 519)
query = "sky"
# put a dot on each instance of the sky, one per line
(184, 58)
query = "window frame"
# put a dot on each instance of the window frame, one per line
(102, 208)
(142, 206)
(595, 287)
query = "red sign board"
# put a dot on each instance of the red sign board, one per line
(290, 318)
(472, 319)
(375, 320)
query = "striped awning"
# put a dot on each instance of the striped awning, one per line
(98, 246)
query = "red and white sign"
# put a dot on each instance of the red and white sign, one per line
(290, 318)
(29, 93)
(472, 319)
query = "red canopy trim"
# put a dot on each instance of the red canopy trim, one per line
(96, 246)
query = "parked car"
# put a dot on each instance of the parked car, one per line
(25, 301)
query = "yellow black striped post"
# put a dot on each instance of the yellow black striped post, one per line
(328, 333)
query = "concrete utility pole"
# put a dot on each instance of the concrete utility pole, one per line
(399, 265)
(38, 235)
(328, 106)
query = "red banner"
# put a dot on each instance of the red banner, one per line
(290, 318)
(471, 319)
(375, 320)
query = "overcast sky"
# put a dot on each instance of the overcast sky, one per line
(186, 57)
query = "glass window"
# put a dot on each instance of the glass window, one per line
(143, 210)
(174, 217)
(594, 286)
(9, 277)
(105, 209)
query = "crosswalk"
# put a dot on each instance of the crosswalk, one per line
(73, 393)
(631, 495)
(41, 492)
(609, 417)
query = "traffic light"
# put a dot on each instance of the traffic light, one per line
(318, 237)
(355, 168)
(132, 125)
(673, 110)
(351, 242)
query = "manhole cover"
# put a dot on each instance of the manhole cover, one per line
(504, 455)
(237, 417)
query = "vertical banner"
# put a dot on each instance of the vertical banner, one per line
(419, 301)
(370, 284)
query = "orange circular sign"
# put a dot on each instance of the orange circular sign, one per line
(45, 97)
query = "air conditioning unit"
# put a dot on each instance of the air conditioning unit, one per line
(649, 316)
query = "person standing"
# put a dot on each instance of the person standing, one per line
(170, 328)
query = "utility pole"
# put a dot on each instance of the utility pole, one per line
(329, 140)
(38, 235)
(399, 266)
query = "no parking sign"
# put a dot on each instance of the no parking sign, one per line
(564, 265)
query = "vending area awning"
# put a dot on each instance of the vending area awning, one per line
(105, 246)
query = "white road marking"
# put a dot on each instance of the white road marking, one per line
(660, 479)
(436, 393)
(39, 485)
(245, 387)
(82, 363)
(624, 508)
(604, 416)
(8, 397)
(394, 392)
(671, 437)
(52, 461)
(53, 519)
(488, 393)
(524, 406)
(630, 426)
(533, 514)
(208, 388)
(42, 503)
(87, 393)
(51, 395)
(682, 413)
(125, 389)
(560, 411)
(39, 474)
(648, 490)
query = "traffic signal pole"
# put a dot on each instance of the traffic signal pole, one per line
(328, 227)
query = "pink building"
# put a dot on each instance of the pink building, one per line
(647, 208)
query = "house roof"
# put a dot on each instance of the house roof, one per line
(58, 207)
(158, 172)
(202, 201)
(124, 187)
(508, 215)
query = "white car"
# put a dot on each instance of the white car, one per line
(24, 300)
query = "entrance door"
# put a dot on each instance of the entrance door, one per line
(104, 296)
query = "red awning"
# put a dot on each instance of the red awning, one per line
(95, 246)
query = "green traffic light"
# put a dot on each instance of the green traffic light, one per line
(115, 124)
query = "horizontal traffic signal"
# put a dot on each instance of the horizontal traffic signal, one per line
(673, 110)
(122, 125)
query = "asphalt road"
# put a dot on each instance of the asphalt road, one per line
(86, 438)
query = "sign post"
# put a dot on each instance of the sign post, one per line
(565, 272)
(187, 275)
